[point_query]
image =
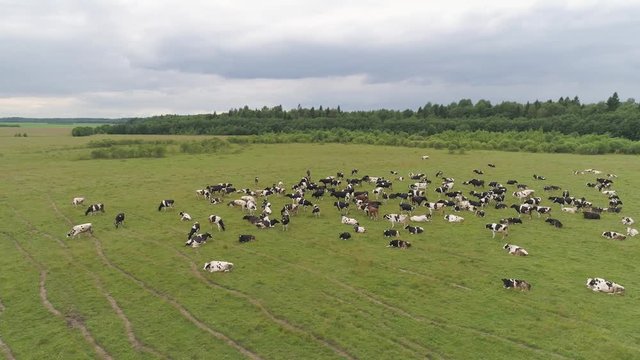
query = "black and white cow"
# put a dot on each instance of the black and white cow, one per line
(522, 209)
(359, 229)
(215, 219)
(345, 236)
(79, 229)
(246, 238)
(316, 211)
(454, 218)
(627, 221)
(349, 221)
(612, 235)
(406, 207)
(391, 233)
(197, 240)
(92, 209)
(516, 284)
(542, 210)
(396, 218)
(554, 222)
(119, 220)
(498, 228)
(413, 230)
(515, 250)
(184, 216)
(343, 207)
(218, 266)
(215, 200)
(166, 204)
(400, 244)
(511, 220)
(194, 230)
(606, 286)
(77, 201)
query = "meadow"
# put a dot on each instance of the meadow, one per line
(138, 293)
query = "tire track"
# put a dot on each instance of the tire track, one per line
(278, 320)
(72, 321)
(397, 310)
(135, 342)
(6, 350)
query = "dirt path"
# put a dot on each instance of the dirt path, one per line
(4, 347)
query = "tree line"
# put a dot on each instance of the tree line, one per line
(566, 116)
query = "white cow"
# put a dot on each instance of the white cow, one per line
(79, 229)
(454, 218)
(218, 266)
(632, 232)
(77, 201)
(602, 285)
(420, 218)
(515, 250)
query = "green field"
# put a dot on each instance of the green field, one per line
(138, 292)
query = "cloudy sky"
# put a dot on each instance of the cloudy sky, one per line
(121, 58)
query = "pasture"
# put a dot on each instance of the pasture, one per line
(137, 292)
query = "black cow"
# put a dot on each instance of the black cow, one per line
(401, 244)
(591, 215)
(246, 238)
(92, 209)
(119, 220)
(554, 222)
(345, 236)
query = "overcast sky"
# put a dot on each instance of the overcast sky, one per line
(120, 58)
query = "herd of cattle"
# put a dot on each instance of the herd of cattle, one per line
(413, 199)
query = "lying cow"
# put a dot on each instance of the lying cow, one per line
(391, 233)
(602, 285)
(515, 250)
(454, 218)
(627, 221)
(516, 284)
(345, 236)
(612, 235)
(413, 230)
(184, 216)
(246, 238)
(349, 221)
(631, 231)
(77, 201)
(218, 266)
(79, 229)
(401, 244)
(197, 240)
(165, 204)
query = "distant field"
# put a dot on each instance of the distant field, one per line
(138, 292)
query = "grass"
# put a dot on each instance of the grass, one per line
(300, 294)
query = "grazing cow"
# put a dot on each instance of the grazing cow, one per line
(554, 222)
(342, 206)
(420, 218)
(632, 232)
(396, 218)
(515, 250)
(400, 244)
(627, 221)
(454, 218)
(79, 229)
(498, 228)
(474, 182)
(591, 215)
(194, 229)
(218, 266)
(238, 203)
(391, 233)
(516, 284)
(184, 216)
(166, 204)
(197, 240)
(522, 209)
(359, 229)
(533, 201)
(92, 209)
(119, 220)
(215, 219)
(266, 223)
(77, 201)
(372, 211)
(612, 235)
(345, 236)
(606, 286)
(435, 206)
(491, 165)
(246, 238)
(349, 221)
(413, 230)
(542, 210)
(203, 193)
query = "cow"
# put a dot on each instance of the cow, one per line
(166, 204)
(342, 206)
(515, 250)
(359, 229)
(400, 244)
(413, 230)
(478, 171)
(539, 177)
(396, 218)
(591, 215)
(119, 221)
(194, 229)
(197, 240)
(498, 228)
(570, 210)
(542, 210)
(349, 221)
(218, 266)
(516, 284)
(627, 221)
(77, 201)
(491, 165)
(523, 194)
(522, 209)
(420, 218)
(612, 235)
(435, 206)
(246, 238)
(345, 236)
(92, 209)
(238, 203)
(215, 200)
(632, 232)
(391, 233)
(406, 207)
(79, 229)
(372, 211)
(511, 220)
(265, 223)
(316, 211)
(424, 157)
(285, 222)
(215, 219)
(454, 218)
(203, 193)
(533, 201)
(554, 222)
(184, 216)
(606, 286)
